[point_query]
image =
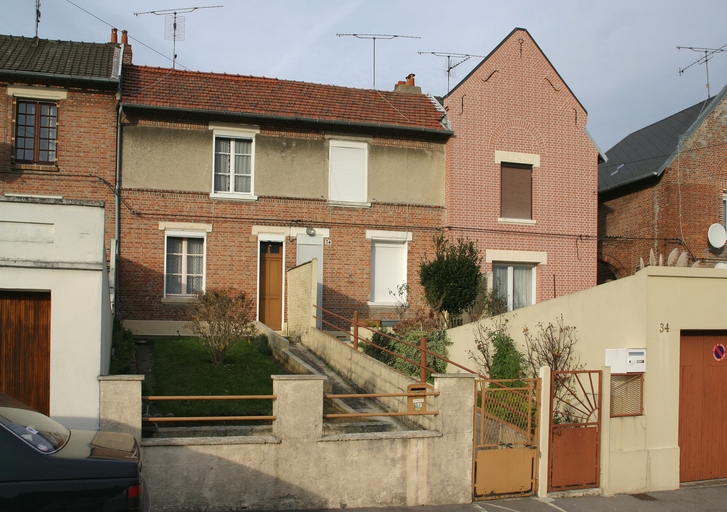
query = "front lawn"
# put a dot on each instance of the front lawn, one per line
(181, 366)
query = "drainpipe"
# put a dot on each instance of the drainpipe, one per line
(117, 212)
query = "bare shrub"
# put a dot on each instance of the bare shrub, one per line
(222, 318)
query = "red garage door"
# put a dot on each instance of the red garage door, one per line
(702, 405)
(25, 347)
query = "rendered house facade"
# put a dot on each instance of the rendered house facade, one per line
(662, 188)
(522, 174)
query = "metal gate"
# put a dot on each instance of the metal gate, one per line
(575, 430)
(506, 438)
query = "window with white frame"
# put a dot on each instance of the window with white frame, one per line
(388, 265)
(515, 283)
(234, 161)
(184, 269)
(348, 171)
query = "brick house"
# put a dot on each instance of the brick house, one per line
(232, 180)
(662, 188)
(58, 119)
(57, 151)
(522, 174)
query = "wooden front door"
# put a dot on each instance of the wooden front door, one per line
(25, 347)
(702, 405)
(271, 284)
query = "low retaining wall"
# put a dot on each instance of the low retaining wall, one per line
(364, 371)
(299, 467)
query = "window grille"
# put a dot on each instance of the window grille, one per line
(627, 395)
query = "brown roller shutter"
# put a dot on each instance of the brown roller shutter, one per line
(516, 188)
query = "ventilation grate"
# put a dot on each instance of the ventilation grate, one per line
(627, 396)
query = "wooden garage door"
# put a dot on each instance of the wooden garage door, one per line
(702, 406)
(25, 347)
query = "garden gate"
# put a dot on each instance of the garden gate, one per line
(506, 450)
(575, 430)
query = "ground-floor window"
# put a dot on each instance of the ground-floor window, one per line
(388, 264)
(184, 266)
(514, 283)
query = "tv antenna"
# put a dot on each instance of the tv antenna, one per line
(450, 63)
(37, 18)
(174, 24)
(374, 37)
(708, 53)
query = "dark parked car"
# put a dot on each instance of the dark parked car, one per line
(44, 466)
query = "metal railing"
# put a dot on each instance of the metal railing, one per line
(355, 325)
(157, 419)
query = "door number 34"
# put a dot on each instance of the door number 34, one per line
(664, 327)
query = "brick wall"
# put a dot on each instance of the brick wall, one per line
(681, 204)
(516, 102)
(86, 145)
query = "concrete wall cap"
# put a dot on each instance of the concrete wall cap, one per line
(195, 441)
(377, 436)
(298, 377)
(120, 377)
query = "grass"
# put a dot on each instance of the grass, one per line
(181, 366)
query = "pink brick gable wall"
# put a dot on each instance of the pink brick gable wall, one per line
(680, 205)
(516, 102)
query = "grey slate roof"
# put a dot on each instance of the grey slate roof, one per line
(647, 152)
(60, 59)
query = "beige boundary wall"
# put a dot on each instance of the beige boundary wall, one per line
(299, 467)
(647, 310)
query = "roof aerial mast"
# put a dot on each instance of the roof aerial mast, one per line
(375, 37)
(174, 24)
(708, 53)
(450, 66)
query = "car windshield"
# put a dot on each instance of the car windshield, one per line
(36, 429)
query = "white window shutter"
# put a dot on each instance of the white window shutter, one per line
(348, 176)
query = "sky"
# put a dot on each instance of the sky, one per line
(619, 57)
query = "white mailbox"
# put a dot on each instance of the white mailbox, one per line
(626, 360)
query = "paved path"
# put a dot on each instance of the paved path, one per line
(701, 497)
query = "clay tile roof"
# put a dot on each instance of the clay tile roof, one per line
(283, 99)
(22, 55)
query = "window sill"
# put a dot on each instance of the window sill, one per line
(34, 167)
(527, 222)
(381, 304)
(234, 197)
(349, 204)
(178, 300)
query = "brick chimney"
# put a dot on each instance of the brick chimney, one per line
(127, 46)
(407, 86)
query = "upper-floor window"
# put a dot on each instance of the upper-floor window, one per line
(35, 132)
(516, 191)
(234, 162)
(348, 171)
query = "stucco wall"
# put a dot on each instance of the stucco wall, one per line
(299, 467)
(57, 246)
(632, 313)
(302, 285)
(180, 158)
